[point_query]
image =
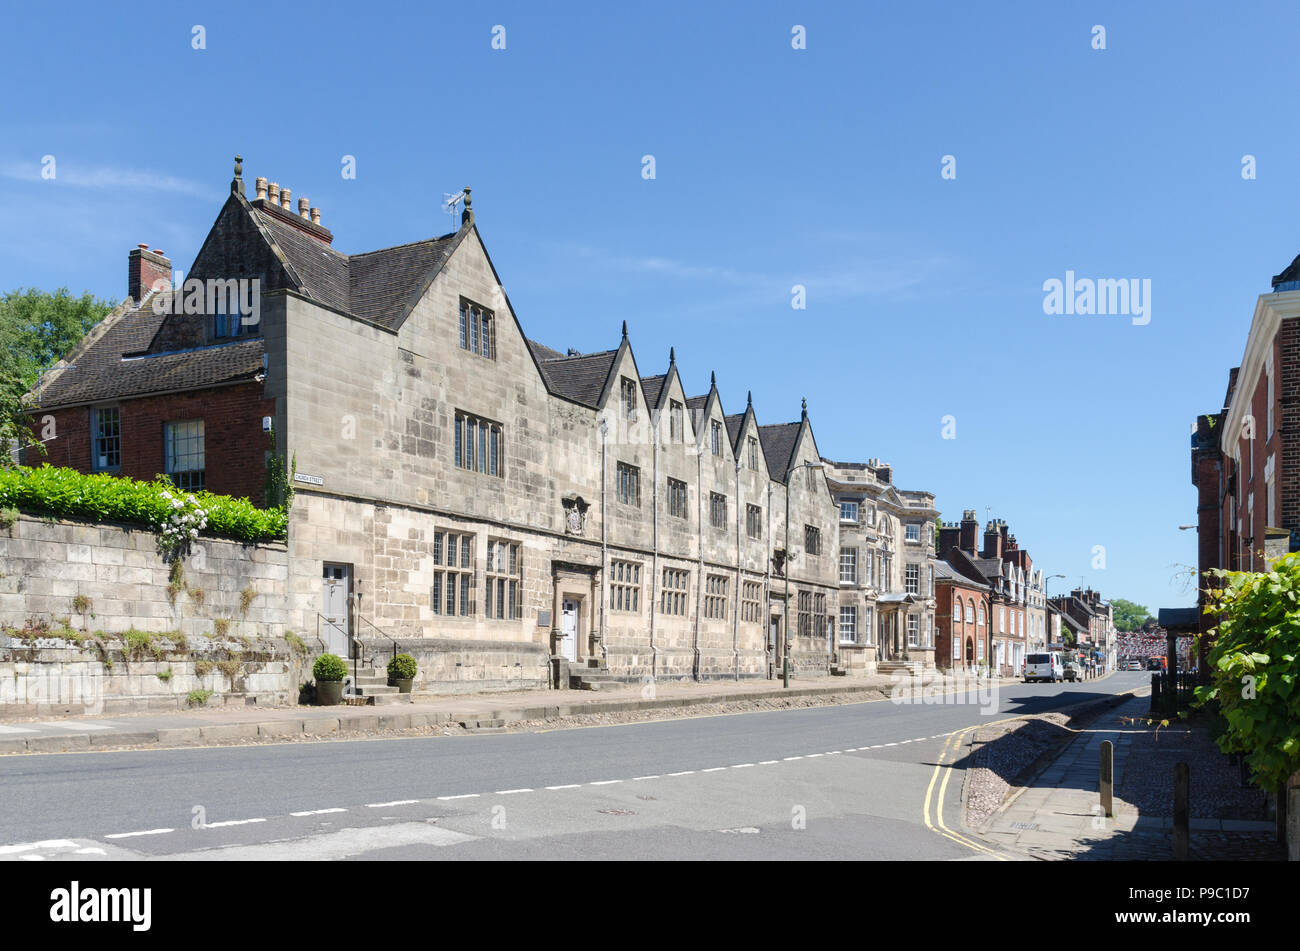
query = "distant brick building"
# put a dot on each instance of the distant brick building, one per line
(1014, 596)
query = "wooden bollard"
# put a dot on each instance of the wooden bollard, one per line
(1182, 811)
(1107, 784)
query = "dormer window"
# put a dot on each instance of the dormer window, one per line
(477, 330)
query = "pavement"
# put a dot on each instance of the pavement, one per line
(1058, 815)
(480, 712)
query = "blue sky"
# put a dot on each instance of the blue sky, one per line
(774, 167)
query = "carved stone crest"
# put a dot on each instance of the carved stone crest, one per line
(575, 515)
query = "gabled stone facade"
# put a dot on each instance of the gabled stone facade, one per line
(492, 498)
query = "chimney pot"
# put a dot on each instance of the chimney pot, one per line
(273, 193)
(303, 208)
(286, 202)
(143, 247)
(315, 216)
(260, 185)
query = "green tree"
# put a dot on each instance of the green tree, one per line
(37, 329)
(1253, 667)
(1128, 614)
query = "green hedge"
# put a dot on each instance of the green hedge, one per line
(66, 493)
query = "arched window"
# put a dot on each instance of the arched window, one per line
(970, 611)
(981, 614)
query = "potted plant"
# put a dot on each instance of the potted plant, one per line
(401, 672)
(329, 671)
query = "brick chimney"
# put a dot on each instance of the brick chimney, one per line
(143, 269)
(992, 541)
(970, 527)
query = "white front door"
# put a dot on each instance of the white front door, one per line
(569, 630)
(335, 590)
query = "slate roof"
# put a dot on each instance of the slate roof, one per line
(322, 270)
(653, 387)
(541, 352)
(384, 283)
(377, 286)
(943, 569)
(778, 442)
(581, 379)
(107, 365)
(733, 426)
(696, 403)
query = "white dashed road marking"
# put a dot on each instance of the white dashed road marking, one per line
(229, 822)
(316, 812)
(395, 802)
(132, 835)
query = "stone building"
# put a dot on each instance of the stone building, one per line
(886, 569)
(498, 504)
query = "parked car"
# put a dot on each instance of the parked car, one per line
(1072, 672)
(1134, 665)
(1043, 667)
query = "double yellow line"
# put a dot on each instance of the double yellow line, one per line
(952, 743)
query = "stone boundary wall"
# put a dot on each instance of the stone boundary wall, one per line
(46, 564)
(52, 676)
(466, 666)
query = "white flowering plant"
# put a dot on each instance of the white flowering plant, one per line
(182, 520)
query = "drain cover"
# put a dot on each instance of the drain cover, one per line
(1025, 826)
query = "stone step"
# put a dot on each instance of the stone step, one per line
(376, 689)
(388, 699)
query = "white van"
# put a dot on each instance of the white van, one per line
(1044, 667)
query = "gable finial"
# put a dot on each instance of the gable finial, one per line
(467, 216)
(625, 330)
(805, 409)
(672, 355)
(749, 398)
(237, 183)
(713, 379)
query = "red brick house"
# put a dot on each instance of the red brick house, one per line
(1246, 456)
(961, 625)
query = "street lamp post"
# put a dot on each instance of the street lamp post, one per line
(785, 633)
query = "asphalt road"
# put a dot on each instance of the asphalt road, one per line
(825, 782)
